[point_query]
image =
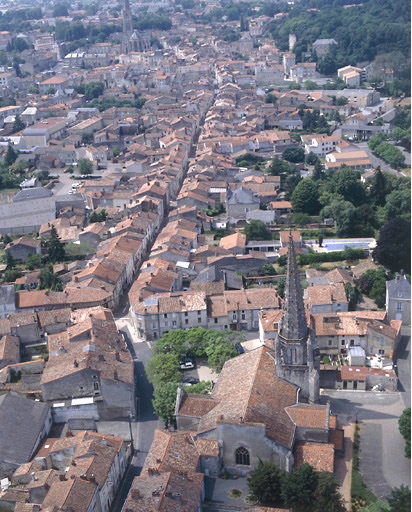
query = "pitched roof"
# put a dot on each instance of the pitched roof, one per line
(248, 391)
(319, 455)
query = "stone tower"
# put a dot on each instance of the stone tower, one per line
(297, 359)
(292, 41)
(127, 20)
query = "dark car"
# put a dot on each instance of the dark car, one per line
(190, 380)
(239, 348)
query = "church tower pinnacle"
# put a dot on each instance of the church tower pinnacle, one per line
(297, 359)
(294, 326)
(127, 19)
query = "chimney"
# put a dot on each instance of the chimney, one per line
(117, 356)
(92, 479)
(33, 476)
(62, 478)
(115, 376)
(75, 363)
(135, 494)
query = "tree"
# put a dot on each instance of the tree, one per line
(400, 499)
(163, 368)
(310, 85)
(257, 230)
(404, 424)
(11, 156)
(279, 167)
(172, 342)
(342, 212)
(48, 280)
(280, 288)
(85, 166)
(98, 216)
(346, 182)
(50, 91)
(327, 496)
(298, 488)
(267, 270)
(292, 154)
(33, 261)
(317, 171)
(55, 248)
(378, 189)
(32, 89)
(311, 159)
(305, 197)
(265, 483)
(393, 248)
(398, 204)
(218, 353)
(164, 400)
(18, 124)
(203, 387)
(60, 9)
(10, 261)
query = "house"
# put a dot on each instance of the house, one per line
(239, 202)
(9, 350)
(234, 243)
(398, 299)
(303, 71)
(90, 359)
(329, 298)
(370, 330)
(23, 247)
(322, 46)
(320, 145)
(40, 133)
(23, 425)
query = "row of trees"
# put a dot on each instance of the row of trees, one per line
(303, 490)
(387, 151)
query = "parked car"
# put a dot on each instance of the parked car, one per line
(187, 364)
(239, 348)
(190, 380)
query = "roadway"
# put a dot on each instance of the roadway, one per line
(147, 422)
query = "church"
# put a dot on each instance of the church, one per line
(263, 405)
(133, 40)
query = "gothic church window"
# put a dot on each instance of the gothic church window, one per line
(242, 456)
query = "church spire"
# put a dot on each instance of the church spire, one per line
(294, 326)
(127, 19)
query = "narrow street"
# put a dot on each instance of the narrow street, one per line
(143, 429)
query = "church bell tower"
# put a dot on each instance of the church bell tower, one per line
(127, 20)
(297, 359)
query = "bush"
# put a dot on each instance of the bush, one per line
(316, 257)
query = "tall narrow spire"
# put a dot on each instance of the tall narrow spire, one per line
(127, 19)
(294, 326)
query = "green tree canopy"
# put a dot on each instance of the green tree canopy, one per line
(393, 248)
(400, 498)
(48, 280)
(305, 197)
(298, 488)
(33, 261)
(55, 248)
(164, 400)
(163, 368)
(265, 483)
(85, 166)
(404, 424)
(257, 230)
(294, 154)
(327, 496)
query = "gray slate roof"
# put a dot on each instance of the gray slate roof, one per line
(7, 294)
(21, 422)
(399, 287)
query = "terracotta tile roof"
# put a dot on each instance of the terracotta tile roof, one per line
(166, 492)
(248, 391)
(75, 494)
(270, 319)
(232, 241)
(10, 348)
(360, 373)
(172, 451)
(309, 416)
(208, 447)
(326, 294)
(196, 405)
(319, 455)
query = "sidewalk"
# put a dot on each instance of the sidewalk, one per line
(343, 467)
